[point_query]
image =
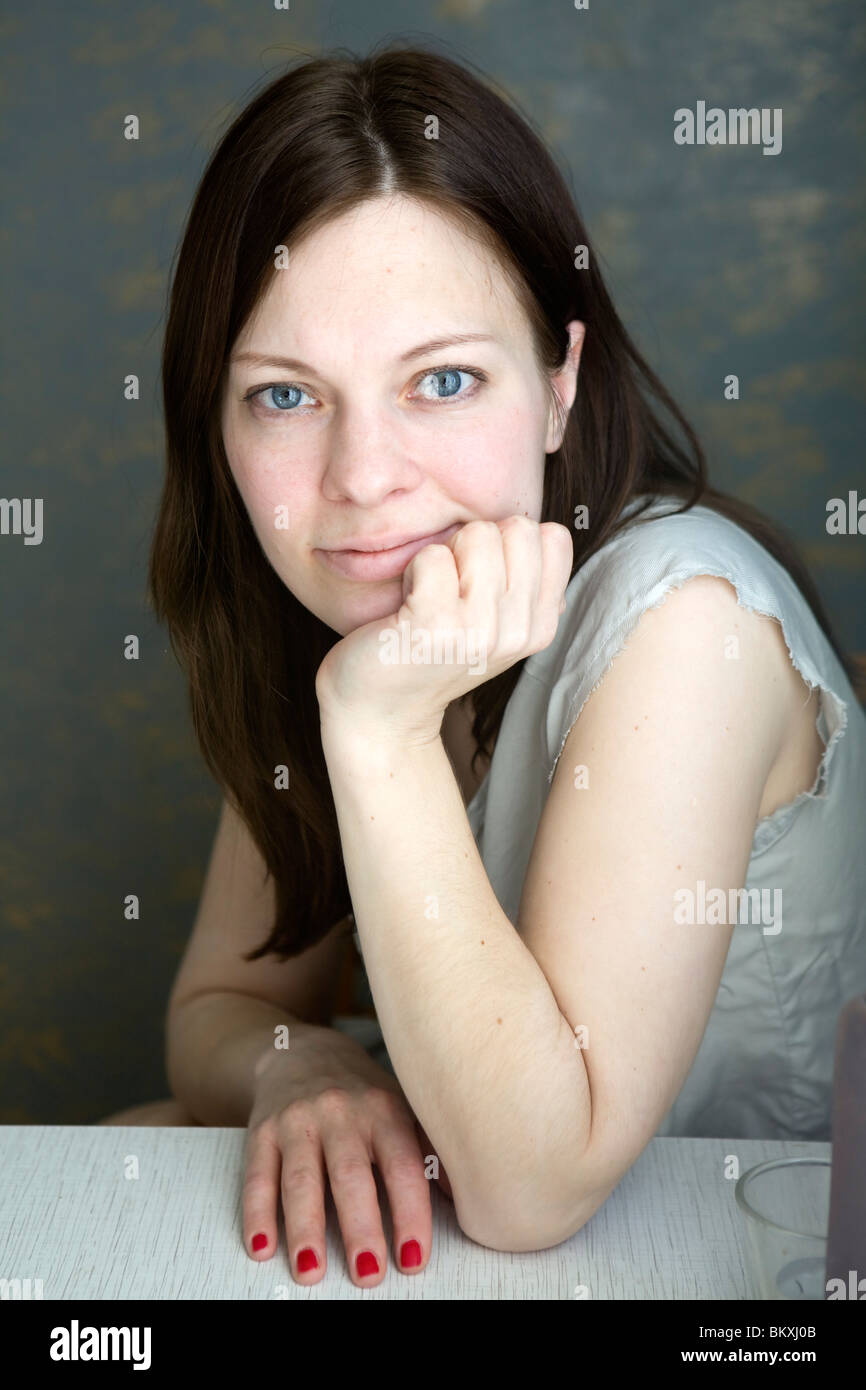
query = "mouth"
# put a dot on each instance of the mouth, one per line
(371, 565)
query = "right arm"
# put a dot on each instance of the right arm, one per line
(323, 1103)
(223, 1010)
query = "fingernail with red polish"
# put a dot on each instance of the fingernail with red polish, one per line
(366, 1263)
(410, 1253)
(260, 1241)
(307, 1260)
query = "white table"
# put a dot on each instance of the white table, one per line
(71, 1216)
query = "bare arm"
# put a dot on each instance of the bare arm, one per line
(223, 1066)
(480, 1020)
(223, 1010)
(215, 1043)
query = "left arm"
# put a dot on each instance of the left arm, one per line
(533, 1130)
(483, 1054)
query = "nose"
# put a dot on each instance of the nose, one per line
(367, 458)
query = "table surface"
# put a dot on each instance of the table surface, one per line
(110, 1212)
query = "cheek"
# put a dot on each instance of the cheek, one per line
(495, 464)
(275, 496)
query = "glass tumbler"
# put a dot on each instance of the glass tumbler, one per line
(786, 1206)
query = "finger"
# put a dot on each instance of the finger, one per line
(522, 548)
(434, 568)
(356, 1199)
(557, 558)
(480, 561)
(400, 1161)
(261, 1186)
(302, 1188)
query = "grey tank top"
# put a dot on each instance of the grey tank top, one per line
(765, 1064)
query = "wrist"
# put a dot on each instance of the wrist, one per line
(270, 1057)
(348, 731)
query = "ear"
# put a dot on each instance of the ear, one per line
(564, 384)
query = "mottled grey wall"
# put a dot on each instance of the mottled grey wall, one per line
(720, 259)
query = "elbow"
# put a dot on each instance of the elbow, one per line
(522, 1223)
(515, 1236)
(538, 1204)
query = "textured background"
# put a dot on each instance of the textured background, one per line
(720, 259)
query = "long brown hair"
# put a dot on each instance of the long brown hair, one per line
(322, 137)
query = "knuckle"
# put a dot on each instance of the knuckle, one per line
(562, 536)
(477, 527)
(257, 1191)
(384, 1102)
(350, 1168)
(435, 550)
(297, 1118)
(335, 1100)
(515, 636)
(260, 1133)
(300, 1175)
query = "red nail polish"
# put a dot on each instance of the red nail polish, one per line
(410, 1253)
(260, 1241)
(366, 1263)
(307, 1260)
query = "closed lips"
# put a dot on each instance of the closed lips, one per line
(392, 543)
(371, 565)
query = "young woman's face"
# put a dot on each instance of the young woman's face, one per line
(362, 437)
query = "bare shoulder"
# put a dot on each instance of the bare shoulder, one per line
(708, 606)
(704, 617)
(702, 621)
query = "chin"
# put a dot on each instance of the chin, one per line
(368, 608)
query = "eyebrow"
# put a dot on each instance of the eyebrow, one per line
(257, 359)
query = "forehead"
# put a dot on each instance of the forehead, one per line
(389, 270)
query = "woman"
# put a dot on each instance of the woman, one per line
(577, 754)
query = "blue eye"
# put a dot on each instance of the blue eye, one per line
(279, 394)
(449, 378)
